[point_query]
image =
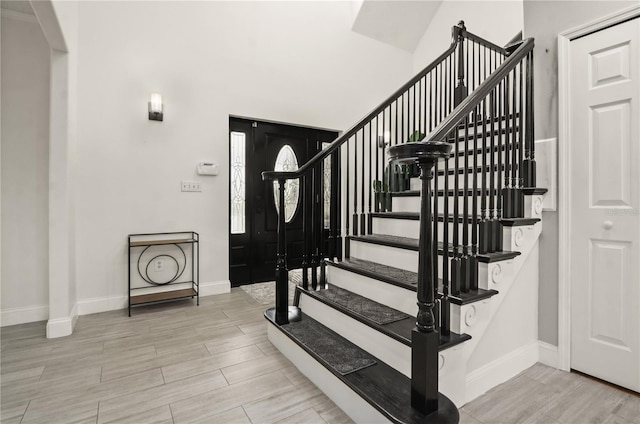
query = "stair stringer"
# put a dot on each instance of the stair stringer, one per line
(489, 328)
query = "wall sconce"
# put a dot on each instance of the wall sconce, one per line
(155, 107)
(383, 140)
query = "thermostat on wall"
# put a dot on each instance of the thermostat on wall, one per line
(207, 168)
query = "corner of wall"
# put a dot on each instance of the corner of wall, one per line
(61, 327)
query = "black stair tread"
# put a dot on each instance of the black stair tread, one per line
(399, 330)
(469, 191)
(403, 278)
(479, 134)
(406, 193)
(373, 382)
(534, 190)
(519, 222)
(413, 244)
(487, 120)
(452, 170)
(415, 216)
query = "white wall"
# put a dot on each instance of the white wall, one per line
(544, 20)
(25, 170)
(295, 62)
(495, 21)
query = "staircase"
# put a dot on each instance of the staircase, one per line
(419, 287)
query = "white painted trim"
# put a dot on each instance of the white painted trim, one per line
(547, 160)
(61, 327)
(500, 370)
(564, 177)
(23, 315)
(215, 287)
(101, 304)
(548, 354)
(358, 409)
(19, 16)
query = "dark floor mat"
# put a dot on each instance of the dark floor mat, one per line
(342, 355)
(376, 312)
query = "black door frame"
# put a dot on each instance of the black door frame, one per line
(249, 126)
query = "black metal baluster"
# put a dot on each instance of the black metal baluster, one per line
(465, 278)
(484, 220)
(520, 136)
(456, 263)
(371, 146)
(363, 185)
(307, 240)
(529, 163)
(492, 161)
(473, 259)
(355, 185)
(315, 237)
(509, 166)
(378, 190)
(347, 242)
(503, 87)
(445, 320)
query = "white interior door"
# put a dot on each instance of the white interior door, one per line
(605, 204)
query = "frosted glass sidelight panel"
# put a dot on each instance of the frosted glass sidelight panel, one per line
(238, 182)
(287, 161)
(326, 176)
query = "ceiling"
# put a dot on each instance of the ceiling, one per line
(400, 23)
(22, 6)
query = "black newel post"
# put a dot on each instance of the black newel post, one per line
(282, 274)
(425, 338)
(460, 92)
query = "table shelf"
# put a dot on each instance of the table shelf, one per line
(187, 243)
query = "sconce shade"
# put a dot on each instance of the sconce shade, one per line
(155, 107)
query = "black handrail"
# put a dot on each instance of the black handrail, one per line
(288, 175)
(467, 106)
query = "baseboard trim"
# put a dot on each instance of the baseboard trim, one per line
(105, 304)
(101, 304)
(215, 287)
(500, 370)
(23, 315)
(548, 354)
(61, 327)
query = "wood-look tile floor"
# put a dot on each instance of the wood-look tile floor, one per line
(178, 363)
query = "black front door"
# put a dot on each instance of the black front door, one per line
(268, 146)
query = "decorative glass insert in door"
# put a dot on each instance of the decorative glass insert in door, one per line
(287, 161)
(238, 182)
(326, 184)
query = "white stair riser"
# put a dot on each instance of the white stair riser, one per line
(393, 296)
(412, 204)
(388, 255)
(385, 255)
(411, 228)
(387, 349)
(396, 227)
